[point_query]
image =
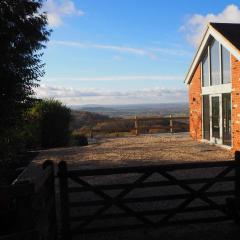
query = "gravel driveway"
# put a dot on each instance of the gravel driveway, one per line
(146, 150)
(143, 149)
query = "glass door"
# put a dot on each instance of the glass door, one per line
(226, 119)
(206, 117)
(216, 119)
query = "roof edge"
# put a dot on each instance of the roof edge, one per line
(210, 31)
(187, 78)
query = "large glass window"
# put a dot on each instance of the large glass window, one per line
(219, 69)
(225, 66)
(205, 71)
(215, 64)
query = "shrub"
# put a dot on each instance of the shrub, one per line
(80, 139)
(48, 124)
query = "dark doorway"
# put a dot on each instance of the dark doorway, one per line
(215, 117)
(226, 112)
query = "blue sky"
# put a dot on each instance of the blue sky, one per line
(125, 51)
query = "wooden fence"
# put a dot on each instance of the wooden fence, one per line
(27, 207)
(101, 200)
(171, 128)
(138, 124)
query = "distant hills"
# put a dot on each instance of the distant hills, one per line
(162, 109)
(107, 120)
(84, 118)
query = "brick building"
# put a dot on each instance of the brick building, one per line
(213, 80)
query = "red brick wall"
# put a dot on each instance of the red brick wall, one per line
(235, 104)
(195, 105)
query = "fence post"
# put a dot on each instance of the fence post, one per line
(64, 201)
(136, 126)
(53, 216)
(171, 123)
(91, 133)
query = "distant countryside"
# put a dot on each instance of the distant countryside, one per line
(110, 121)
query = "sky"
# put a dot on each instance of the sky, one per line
(111, 52)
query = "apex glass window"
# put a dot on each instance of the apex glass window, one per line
(215, 64)
(226, 78)
(205, 71)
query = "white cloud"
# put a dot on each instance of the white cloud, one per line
(57, 9)
(117, 58)
(196, 24)
(137, 51)
(155, 53)
(176, 51)
(118, 78)
(152, 53)
(115, 48)
(74, 96)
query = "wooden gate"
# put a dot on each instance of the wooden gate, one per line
(124, 198)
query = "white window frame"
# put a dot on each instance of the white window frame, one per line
(213, 139)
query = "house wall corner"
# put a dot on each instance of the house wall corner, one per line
(195, 105)
(235, 103)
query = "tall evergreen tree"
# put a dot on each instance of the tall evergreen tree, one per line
(23, 34)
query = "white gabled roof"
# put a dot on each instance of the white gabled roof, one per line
(222, 33)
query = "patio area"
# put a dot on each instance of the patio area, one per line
(138, 150)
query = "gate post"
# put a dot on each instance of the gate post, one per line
(53, 216)
(64, 201)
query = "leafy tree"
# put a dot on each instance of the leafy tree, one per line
(50, 121)
(23, 33)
